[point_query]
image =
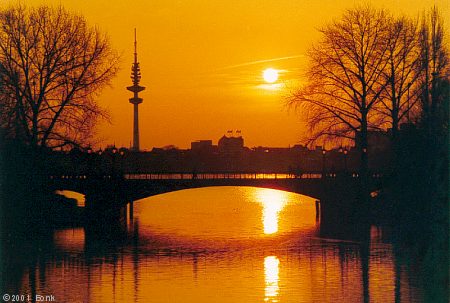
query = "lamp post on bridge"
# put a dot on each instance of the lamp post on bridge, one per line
(323, 162)
(343, 154)
(113, 169)
(121, 166)
(98, 167)
(117, 155)
(345, 160)
(89, 163)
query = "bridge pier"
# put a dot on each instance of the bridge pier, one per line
(317, 210)
(131, 211)
(102, 208)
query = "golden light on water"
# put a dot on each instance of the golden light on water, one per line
(273, 201)
(204, 222)
(271, 270)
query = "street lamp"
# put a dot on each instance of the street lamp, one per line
(345, 159)
(121, 159)
(88, 171)
(323, 162)
(99, 164)
(113, 168)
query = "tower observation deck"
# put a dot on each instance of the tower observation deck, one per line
(135, 89)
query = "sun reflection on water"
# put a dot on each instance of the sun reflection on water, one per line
(273, 201)
(271, 269)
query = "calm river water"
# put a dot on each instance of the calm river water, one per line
(219, 244)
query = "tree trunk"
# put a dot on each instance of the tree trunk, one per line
(395, 122)
(364, 169)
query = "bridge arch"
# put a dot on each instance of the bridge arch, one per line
(161, 191)
(139, 190)
(110, 192)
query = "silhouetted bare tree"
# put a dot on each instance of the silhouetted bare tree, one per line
(344, 78)
(434, 71)
(400, 96)
(53, 65)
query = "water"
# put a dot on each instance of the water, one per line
(222, 244)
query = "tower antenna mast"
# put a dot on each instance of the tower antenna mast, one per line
(135, 89)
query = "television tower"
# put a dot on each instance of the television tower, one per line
(135, 88)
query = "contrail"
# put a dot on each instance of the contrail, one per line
(260, 61)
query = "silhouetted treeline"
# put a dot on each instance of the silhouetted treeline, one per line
(417, 190)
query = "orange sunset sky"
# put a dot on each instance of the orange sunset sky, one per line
(202, 64)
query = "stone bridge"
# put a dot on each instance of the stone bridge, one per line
(336, 192)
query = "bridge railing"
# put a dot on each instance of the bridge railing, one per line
(211, 176)
(216, 176)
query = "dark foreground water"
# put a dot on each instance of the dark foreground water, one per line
(223, 244)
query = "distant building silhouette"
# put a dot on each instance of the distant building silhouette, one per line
(231, 155)
(231, 144)
(202, 146)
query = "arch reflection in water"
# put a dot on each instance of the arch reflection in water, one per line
(271, 270)
(81, 199)
(273, 201)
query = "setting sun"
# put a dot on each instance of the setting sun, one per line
(270, 75)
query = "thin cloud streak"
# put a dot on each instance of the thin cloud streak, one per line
(260, 61)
